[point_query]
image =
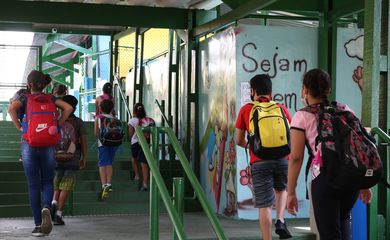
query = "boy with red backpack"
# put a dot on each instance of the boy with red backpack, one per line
(71, 155)
(40, 135)
(109, 132)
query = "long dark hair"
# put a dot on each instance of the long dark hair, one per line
(139, 110)
(38, 81)
(107, 88)
(317, 81)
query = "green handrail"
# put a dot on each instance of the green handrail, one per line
(381, 134)
(191, 177)
(373, 207)
(156, 179)
(163, 114)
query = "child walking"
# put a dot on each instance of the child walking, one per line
(138, 156)
(107, 146)
(38, 156)
(69, 161)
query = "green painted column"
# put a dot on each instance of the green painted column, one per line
(178, 199)
(372, 32)
(154, 193)
(323, 32)
(94, 58)
(135, 66)
(387, 208)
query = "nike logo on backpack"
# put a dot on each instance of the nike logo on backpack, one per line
(41, 127)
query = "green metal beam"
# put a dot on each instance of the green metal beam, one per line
(281, 5)
(67, 65)
(57, 54)
(63, 75)
(73, 29)
(240, 12)
(73, 46)
(51, 69)
(346, 8)
(39, 12)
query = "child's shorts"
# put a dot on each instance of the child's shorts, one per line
(138, 153)
(106, 155)
(268, 175)
(64, 179)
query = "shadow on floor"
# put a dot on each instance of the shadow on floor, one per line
(121, 227)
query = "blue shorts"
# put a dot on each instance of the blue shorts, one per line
(106, 155)
(268, 175)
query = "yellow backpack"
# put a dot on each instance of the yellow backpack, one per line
(269, 131)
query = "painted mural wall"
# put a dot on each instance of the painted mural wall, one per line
(225, 88)
(217, 113)
(349, 74)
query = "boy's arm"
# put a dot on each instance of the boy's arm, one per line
(240, 137)
(83, 160)
(12, 112)
(66, 110)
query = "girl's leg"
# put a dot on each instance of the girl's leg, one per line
(31, 169)
(47, 174)
(135, 168)
(326, 206)
(348, 200)
(145, 174)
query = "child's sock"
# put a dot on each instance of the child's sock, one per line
(108, 184)
(54, 202)
(59, 213)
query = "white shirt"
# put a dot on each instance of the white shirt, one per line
(134, 122)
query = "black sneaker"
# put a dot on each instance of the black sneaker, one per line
(281, 230)
(143, 189)
(57, 220)
(47, 224)
(37, 232)
(53, 210)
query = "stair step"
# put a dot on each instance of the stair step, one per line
(109, 208)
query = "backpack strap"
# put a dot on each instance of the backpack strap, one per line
(307, 168)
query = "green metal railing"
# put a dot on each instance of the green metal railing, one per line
(373, 207)
(4, 109)
(157, 186)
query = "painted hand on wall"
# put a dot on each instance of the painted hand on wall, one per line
(358, 77)
(246, 178)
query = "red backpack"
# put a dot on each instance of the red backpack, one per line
(41, 115)
(147, 122)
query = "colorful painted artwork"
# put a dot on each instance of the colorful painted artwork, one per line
(217, 119)
(349, 75)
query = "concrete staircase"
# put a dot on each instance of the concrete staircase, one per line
(125, 199)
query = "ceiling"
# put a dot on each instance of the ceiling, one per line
(186, 4)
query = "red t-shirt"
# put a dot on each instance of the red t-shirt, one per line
(243, 121)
